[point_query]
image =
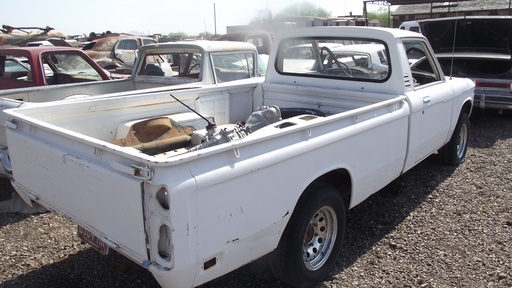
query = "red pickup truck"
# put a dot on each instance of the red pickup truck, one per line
(40, 66)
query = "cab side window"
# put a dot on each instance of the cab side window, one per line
(422, 63)
(127, 44)
(15, 67)
(233, 66)
(148, 41)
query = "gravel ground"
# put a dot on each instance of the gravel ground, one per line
(435, 226)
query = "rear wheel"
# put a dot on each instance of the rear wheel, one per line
(454, 152)
(311, 242)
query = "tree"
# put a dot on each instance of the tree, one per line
(205, 35)
(303, 9)
(382, 15)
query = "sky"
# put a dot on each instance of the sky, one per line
(151, 16)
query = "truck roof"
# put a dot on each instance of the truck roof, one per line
(352, 31)
(203, 45)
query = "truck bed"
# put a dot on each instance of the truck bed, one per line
(106, 121)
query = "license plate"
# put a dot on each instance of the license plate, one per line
(92, 240)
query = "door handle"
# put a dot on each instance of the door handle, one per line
(426, 100)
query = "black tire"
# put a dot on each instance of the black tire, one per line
(311, 242)
(454, 152)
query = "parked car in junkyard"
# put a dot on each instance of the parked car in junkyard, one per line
(115, 53)
(46, 65)
(482, 52)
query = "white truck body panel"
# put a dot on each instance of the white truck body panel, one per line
(190, 216)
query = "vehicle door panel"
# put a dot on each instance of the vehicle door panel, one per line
(432, 101)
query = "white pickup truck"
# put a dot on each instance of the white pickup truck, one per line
(195, 183)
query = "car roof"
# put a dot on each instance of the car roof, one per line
(202, 45)
(35, 49)
(383, 33)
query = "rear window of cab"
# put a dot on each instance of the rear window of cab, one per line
(343, 58)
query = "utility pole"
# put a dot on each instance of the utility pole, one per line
(365, 12)
(214, 19)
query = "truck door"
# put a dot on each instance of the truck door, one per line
(432, 102)
(16, 71)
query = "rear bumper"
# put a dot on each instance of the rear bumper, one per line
(493, 100)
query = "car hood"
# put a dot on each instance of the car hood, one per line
(478, 34)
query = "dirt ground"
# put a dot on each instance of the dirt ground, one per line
(435, 226)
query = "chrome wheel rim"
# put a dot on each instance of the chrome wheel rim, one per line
(462, 141)
(319, 238)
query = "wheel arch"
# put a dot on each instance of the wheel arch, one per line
(340, 179)
(467, 107)
(288, 261)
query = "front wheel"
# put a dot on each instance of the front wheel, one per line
(311, 242)
(454, 152)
